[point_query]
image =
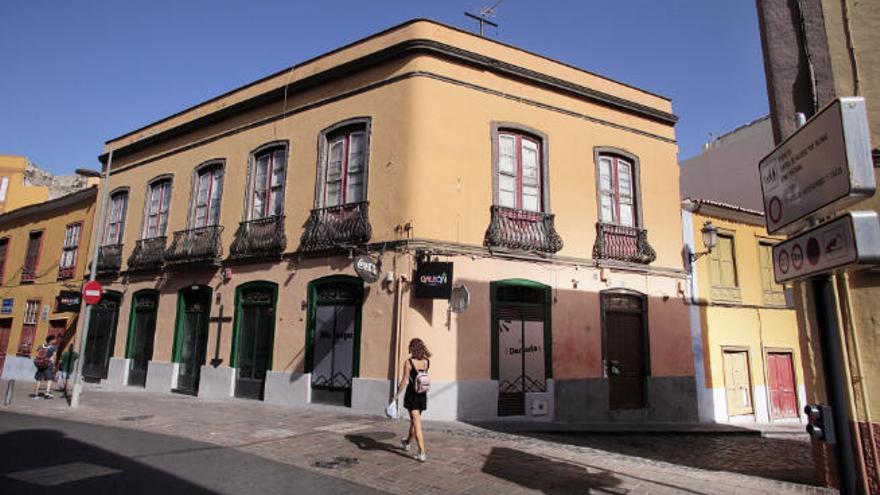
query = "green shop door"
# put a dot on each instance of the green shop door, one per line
(254, 338)
(141, 334)
(334, 334)
(101, 338)
(193, 311)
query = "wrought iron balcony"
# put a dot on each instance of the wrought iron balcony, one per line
(66, 272)
(617, 242)
(200, 245)
(148, 255)
(259, 238)
(109, 259)
(28, 275)
(525, 230)
(337, 227)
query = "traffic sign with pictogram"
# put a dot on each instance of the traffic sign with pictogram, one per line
(822, 168)
(851, 239)
(92, 292)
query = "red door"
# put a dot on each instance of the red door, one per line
(5, 330)
(783, 396)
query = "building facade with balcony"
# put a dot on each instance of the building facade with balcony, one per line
(234, 230)
(43, 250)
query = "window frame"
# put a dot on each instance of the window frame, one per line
(4, 258)
(29, 328)
(600, 152)
(210, 166)
(767, 284)
(343, 128)
(33, 270)
(499, 128)
(270, 148)
(145, 223)
(119, 192)
(714, 281)
(65, 272)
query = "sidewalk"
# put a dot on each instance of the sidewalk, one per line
(462, 459)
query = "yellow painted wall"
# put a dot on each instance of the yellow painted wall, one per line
(18, 194)
(46, 286)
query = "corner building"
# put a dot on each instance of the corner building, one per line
(233, 229)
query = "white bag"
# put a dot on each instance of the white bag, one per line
(391, 410)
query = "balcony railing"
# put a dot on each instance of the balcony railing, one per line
(337, 227)
(200, 245)
(259, 238)
(618, 242)
(28, 275)
(109, 259)
(148, 255)
(525, 230)
(66, 272)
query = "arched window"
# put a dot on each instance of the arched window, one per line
(519, 171)
(618, 189)
(342, 175)
(268, 175)
(206, 196)
(116, 218)
(156, 211)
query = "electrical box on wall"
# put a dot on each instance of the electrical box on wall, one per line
(539, 407)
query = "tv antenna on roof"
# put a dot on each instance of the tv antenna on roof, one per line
(484, 15)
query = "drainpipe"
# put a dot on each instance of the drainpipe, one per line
(97, 228)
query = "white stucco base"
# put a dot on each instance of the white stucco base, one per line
(287, 389)
(117, 374)
(161, 376)
(761, 401)
(369, 395)
(216, 383)
(19, 368)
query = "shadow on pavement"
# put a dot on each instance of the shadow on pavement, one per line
(752, 455)
(547, 475)
(47, 461)
(371, 441)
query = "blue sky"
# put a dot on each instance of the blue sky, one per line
(77, 73)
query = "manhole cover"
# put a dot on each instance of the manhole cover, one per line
(136, 418)
(335, 462)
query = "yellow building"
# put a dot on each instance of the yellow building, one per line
(815, 51)
(14, 193)
(43, 251)
(746, 338)
(285, 240)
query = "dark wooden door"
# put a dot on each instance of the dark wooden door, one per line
(194, 339)
(143, 333)
(101, 338)
(783, 395)
(625, 359)
(254, 342)
(5, 330)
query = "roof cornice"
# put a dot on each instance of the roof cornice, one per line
(50, 205)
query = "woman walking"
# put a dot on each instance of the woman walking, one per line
(415, 402)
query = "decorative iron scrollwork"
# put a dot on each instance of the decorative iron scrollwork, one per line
(525, 230)
(337, 227)
(618, 242)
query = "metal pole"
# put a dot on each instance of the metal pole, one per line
(97, 228)
(835, 377)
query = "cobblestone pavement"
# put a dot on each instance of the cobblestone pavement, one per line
(462, 459)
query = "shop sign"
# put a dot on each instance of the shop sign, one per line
(68, 301)
(822, 168)
(6, 307)
(851, 239)
(367, 268)
(433, 280)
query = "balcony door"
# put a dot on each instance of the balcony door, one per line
(102, 337)
(5, 331)
(141, 335)
(255, 328)
(193, 311)
(334, 338)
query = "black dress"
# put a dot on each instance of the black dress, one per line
(411, 400)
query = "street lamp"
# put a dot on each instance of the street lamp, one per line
(710, 239)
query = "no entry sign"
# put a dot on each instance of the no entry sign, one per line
(823, 167)
(92, 292)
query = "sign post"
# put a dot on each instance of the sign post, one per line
(824, 167)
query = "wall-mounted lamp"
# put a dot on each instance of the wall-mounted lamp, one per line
(710, 239)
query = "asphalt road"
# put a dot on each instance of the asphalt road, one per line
(43, 455)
